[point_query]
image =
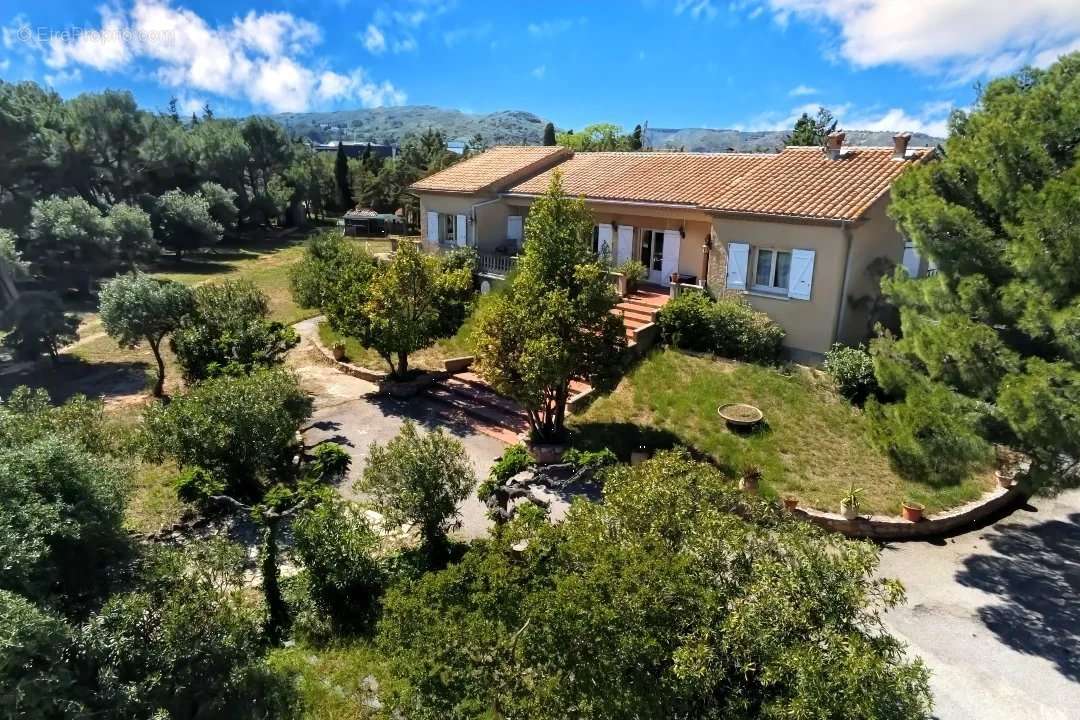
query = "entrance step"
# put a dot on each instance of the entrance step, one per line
(466, 398)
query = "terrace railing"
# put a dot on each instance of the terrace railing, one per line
(496, 264)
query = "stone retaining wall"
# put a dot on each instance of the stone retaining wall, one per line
(950, 522)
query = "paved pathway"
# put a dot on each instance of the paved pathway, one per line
(348, 412)
(995, 614)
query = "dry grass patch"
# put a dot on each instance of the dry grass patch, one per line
(813, 444)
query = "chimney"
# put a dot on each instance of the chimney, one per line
(833, 143)
(900, 142)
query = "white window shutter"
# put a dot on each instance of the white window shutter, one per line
(433, 227)
(460, 230)
(802, 274)
(514, 228)
(603, 238)
(738, 261)
(669, 264)
(625, 249)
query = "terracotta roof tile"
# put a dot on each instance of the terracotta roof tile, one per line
(803, 182)
(490, 168)
(654, 177)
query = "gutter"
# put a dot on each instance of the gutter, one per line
(672, 206)
(841, 305)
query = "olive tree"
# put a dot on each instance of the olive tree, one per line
(184, 223)
(419, 479)
(37, 324)
(137, 307)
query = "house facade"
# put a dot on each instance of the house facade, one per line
(802, 234)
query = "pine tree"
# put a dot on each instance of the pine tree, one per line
(549, 134)
(812, 130)
(635, 138)
(341, 178)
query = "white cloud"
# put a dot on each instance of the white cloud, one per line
(374, 40)
(5, 65)
(405, 44)
(964, 38)
(801, 90)
(539, 71)
(467, 33)
(262, 58)
(63, 77)
(189, 104)
(931, 118)
(551, 28)
(697, 9)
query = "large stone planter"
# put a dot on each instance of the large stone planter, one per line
(546, 453)
(405, 389)
(458, 364)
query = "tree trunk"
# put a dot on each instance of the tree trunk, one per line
(159, 386)
(277, 612)
(402, 365)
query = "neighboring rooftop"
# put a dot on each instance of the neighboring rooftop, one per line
(492, 169)
(674, 178)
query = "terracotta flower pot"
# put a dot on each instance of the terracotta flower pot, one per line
(791, 502)
(912, 511)
(850, 511)
(338, 351)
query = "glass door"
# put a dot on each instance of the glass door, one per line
(652, 255)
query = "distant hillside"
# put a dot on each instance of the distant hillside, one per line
(515, 127)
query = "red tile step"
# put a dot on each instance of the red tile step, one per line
(465, 397)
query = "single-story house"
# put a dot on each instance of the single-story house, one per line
(368, 223)
(802, 234)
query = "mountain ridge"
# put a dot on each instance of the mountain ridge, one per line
(390, 125)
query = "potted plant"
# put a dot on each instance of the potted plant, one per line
(849, 504)
(338, 351)
(751, 478)
(912, 511)
(639, 455)
(633, 273)
(790, 502)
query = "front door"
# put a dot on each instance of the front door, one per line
(654, 249)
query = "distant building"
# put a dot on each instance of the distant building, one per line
(457, 146)
(368, 223)
(355, 148)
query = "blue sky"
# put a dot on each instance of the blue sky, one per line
(749, 64)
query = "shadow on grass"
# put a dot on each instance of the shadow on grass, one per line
(74, 376)
(622, 438)
(1035, 574)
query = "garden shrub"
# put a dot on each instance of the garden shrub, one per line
(514, 459)
(329, 462)
(196, 485)
(727, 327)
(931, 436)
(590, 458)
(852, 369)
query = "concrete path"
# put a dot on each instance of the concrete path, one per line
(995, 614)
(348, 411)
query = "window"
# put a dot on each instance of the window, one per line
(772, 270)
(448, 229)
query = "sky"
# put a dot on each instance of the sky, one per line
(744, 64)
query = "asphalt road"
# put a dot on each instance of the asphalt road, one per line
(995, 614)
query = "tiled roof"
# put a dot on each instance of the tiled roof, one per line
(803, 182)
(490, 168)
(800, 182)
(654, 177)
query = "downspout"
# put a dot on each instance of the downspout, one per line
(841, 306)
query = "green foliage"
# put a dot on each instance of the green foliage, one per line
(554, 321)
(35, 682)
(337, 549)
(598, 137)
(419, 478)
(404, 304)
(195, 485)
(729, 327)
(138, 307)
(240, 429)
(513, 460)
(36, 324)
(930, 435)
(183, 222)
(332, 266)
(633, 271)
(549, 135)
(593, 459)
(68, 239)
(27, 415)
(329, 462)
(812, 130)
(576, 613)
(997, 214)
(182, 644)
(60, 518)
(221, 204)
(852, 369)
(229, 331)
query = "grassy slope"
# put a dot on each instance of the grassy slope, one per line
(814, 445)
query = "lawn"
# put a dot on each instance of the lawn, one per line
(814, 444)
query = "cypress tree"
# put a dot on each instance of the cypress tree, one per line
(549, 134)
(341, 178)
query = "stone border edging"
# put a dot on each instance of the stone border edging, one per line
(950, 521)
(375, 376)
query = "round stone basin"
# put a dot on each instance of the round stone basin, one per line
(740, 414)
